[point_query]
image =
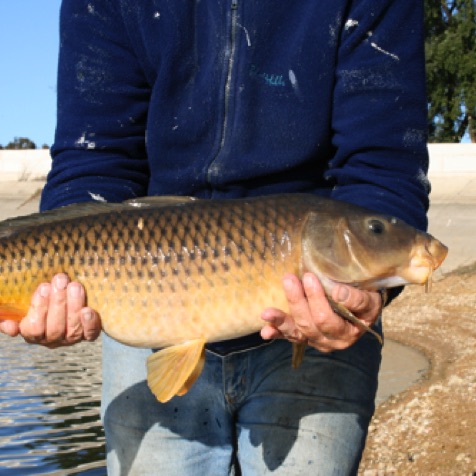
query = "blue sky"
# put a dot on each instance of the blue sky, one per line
(28, 57)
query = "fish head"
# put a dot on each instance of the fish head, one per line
(371, 251)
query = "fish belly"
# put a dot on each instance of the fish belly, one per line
(211, 312)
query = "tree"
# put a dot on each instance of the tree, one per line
(21, 143)
(451, 69)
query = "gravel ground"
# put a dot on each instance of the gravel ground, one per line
(430, 429)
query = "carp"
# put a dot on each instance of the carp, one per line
(175, 273)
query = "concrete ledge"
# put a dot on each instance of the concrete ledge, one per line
(452, 159)
(24, 165)
(453, 188)
(452, 168)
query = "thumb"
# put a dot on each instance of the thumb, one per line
(355, 300)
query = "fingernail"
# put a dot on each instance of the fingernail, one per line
(36, 301)
(342, 294)
(61, 282)
(308, 280)
(288, 284)
(87, 314)
(44, 290)
(74, 291)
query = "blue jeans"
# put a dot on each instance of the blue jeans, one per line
(249, 413)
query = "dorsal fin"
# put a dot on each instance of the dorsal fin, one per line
(162, 201)
(77, 210)
(80, 210)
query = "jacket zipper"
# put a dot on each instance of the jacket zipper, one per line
(230, 65)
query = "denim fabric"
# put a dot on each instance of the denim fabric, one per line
(249, 413)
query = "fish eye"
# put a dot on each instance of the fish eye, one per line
(376, 226)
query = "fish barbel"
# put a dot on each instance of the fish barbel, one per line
(176, 273)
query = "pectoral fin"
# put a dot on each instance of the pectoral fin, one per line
(298, 354)
(173, 370)
(12, 312)
(348, 316)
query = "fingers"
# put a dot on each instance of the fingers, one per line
(58, 316)
(325, 330)
(280, 326)
(91, 323)
(326, 324)
(75, 301)
(301, 297)
(9, 328)
(311, 317)
(56, 313)
(275, 318)
(363, 304)
(33, 327)
(82, 322)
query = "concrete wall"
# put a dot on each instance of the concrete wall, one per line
(23, 165)
(452, 159)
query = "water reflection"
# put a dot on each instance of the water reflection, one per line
(49, 410)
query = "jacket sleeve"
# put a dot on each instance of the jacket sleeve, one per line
(379, 110)
(99, 148)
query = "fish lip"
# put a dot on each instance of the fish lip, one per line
(437, 252)
(424, 262)
(421, 268)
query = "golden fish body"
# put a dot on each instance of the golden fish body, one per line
(164, 271)
(160, 275)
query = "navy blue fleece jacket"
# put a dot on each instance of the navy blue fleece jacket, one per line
(233, 98)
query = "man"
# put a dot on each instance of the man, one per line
(230, 99)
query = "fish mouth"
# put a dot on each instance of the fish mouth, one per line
(437, 251)
(425, 260)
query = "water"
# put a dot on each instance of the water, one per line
(49, 405)
(401, 367)
(49, 410)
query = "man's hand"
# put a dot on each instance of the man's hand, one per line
(57, 316)
(311, 318)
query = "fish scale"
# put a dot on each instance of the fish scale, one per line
(160, 263)
(175, 272)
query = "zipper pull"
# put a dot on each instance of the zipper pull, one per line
(234, 4)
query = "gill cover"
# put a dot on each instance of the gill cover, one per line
(325, 246)
(359, 247)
